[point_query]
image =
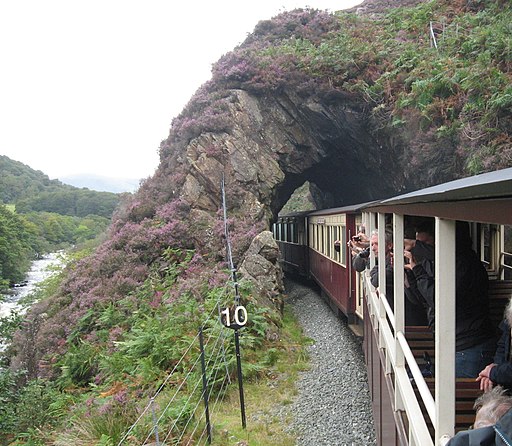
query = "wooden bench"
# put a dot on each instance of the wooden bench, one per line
(421, 339)
(467, 390)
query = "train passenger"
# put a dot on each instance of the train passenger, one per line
(419, 244)
(425, 231)
(374, 272)
(414, 312)
(360, 250)
(500, 370)
(493, 420)
(474, 336)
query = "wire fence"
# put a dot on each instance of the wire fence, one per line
(178, 415)
(182, 416)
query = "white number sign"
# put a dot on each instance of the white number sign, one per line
(239, 314)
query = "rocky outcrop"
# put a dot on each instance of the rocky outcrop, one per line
(278, 142)
(260, 266)
(274, 144)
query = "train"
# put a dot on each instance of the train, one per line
(409, 406)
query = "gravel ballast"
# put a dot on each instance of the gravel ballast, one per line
(333, 406)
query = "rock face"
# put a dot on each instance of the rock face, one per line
(261, 267)
(275, 143)
(278, 142)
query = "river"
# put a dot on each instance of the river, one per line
(40, 270)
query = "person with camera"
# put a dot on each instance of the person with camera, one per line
(359, 247)
(374, 272)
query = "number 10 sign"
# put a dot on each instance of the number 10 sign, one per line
(234, 317)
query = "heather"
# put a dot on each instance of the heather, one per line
(118, 351)
(451, 103)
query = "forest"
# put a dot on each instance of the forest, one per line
(39, 215)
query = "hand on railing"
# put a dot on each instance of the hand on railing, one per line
(485, 378)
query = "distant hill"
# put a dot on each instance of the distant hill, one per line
(33, 191)
(101, 183)
(18, 181)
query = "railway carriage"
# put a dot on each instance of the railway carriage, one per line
(290, 232)
(307, 247)
(408, 408)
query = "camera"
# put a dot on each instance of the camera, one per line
(365, 253)
(356, 238)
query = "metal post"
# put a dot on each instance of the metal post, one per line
(155, 422)
(237, 302)
(240, 378)
(224, 349)
(206, 395)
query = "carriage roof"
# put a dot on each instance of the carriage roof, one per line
(483, 198)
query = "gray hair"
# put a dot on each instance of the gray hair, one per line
(491, 406)
(388, 234)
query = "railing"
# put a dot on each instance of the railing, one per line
(503, 264)
(391, 342)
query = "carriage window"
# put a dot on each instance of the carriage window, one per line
(343, 245)
(506, 259)
(314, 239)
(293, 232)
(327, 241)
(334, 236)
(490, 247)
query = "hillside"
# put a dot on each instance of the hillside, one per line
(32, 191)
(19, 181)
(39, 215)
(362, 106)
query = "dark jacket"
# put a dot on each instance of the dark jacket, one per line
(502, 373)
(421, 280)
(361, 260)
(415, 313)
(484, 436)
(473, 325)
(498, 435)
(374, 279)
(472, 300)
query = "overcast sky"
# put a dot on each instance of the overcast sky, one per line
(92, 86)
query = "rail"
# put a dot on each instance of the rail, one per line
(390, 342)
(422, 386)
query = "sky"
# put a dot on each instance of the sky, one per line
(91, 87)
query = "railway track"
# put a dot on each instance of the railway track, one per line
(333, 406)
